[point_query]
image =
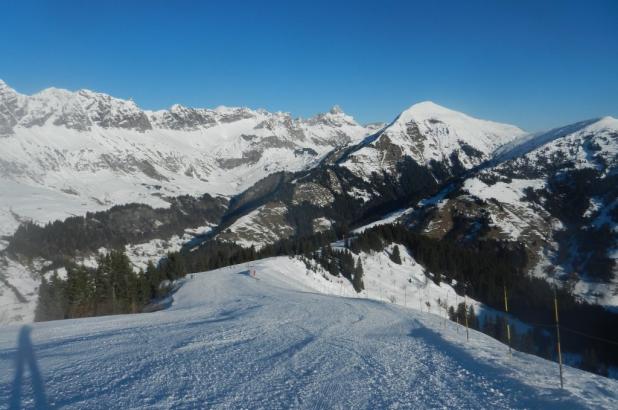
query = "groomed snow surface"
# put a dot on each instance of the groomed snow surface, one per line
(231, 341)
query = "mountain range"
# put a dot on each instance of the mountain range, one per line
(71, 152)
(254, 178)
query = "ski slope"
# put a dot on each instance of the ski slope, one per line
(228, 340)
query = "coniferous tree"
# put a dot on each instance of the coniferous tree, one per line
(590, 362)
(42, 310)
(461, 313)
(51, 301)
(58, 305)
(489, 326)
(358, 276)
(395, 256)
(472, 318)
(526, 343)
(78, 292)
(451, 314)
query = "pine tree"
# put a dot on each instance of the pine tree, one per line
(357, 282)
(451, 314)
(461, 312)
(153, 278)
(51, 304)
(42, 310)
(526, 343)
(58, 306)
(489, 326)
(78, 292)
(590, 362)
(395, 256)
(102, 286)
(473, 322)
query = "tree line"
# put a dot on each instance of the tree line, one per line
(338, 262)
(113, 228)
(110, 288)
(482, 269)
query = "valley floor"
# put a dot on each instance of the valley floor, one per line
(232, 341)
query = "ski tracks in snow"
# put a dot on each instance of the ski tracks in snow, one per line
(229, 341)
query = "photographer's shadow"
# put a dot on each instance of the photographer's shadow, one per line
(25, 357)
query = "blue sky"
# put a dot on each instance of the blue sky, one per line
(536, 64)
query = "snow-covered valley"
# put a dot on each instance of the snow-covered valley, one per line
(229, 340)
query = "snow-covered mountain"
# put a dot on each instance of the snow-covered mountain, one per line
(431, 135)
(66, 153)
(558, 193)
(229, 340)
(422, 148)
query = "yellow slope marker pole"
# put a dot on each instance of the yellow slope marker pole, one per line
(457, 314)
(466, 316)
(558, 336)
(508, 325)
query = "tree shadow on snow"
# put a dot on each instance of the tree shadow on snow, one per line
(520, 394)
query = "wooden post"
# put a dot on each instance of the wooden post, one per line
(508, 325)
(558, 336)
(446, 310)
(456, 315)
(445, 316)
(466, 316)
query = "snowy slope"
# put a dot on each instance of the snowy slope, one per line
(231, 341)
(587, 143)
(66, 153)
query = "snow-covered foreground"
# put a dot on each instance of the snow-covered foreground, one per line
(231, 341)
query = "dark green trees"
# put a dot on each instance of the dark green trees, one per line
(395, 256)
(357, 282)
(51, 305)
(112, 288)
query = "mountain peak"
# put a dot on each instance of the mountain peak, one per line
(335, 109)
(5, 88)
(54, 92)
(609, 121)
(429, 115)
(427, 110)
(428, 105)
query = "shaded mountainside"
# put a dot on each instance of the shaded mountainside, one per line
(557, 194)
(114, 228)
